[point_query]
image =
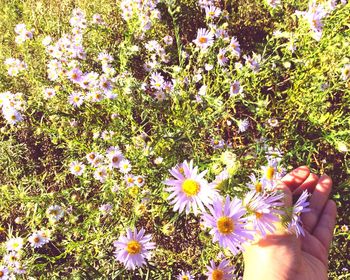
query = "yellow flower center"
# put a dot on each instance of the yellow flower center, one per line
(115, 159)
(202, 40)
(13, 117)
(131, 180)
(185, 278)
(270, 172)
(225, 225)
(13, 258)
(139, 180)
(211, 13)
(258, 215)
(133, 247)
(258, 187)
(53, 212)
(76, 99)
(217, 274)
(190, 187)
(77, 168)
(36, 239)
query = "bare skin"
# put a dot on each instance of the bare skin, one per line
(282, 256)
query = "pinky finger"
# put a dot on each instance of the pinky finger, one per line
(324, 229)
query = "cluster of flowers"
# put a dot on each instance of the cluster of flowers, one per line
(136, 247)
(14, 247)
(15, 66)
(232, 222)
(66, 54)
(12, 260)
(113, 159)
(22, 33)
(316, 13)
(12, 105)
(144, 10)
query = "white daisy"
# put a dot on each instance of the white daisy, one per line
(204, 38)
(38, 239)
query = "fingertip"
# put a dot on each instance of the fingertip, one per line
(309, 184)
(296, 177)
(326, 179)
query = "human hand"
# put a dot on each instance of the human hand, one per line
(283, 256)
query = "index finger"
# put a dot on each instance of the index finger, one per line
(296, 177)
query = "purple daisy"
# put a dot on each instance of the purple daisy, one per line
(227, 224)
(263, 215)
(222, 59)
(189, 189)
(224, 271)
(134, 248)
(185, 275)
(301, 206)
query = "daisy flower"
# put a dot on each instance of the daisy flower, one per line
(263, 216)
(115, 158)
(222, 59)
(224, 271)
(130, 180)
(55, 212)
(301, 206)
(189, 190)
(273, 122)
(234, 47)
(4, 273)
(105, 208)
(212, 12)
(100, 174)
(242, 125)
(11, 115)
(270, 170)
(139, 181)
(217, 143)
(77, 168)
(133, 249)
(14, 244)
(168, 40)
(235, 88)
(75, 75)
(257, 185)
(76, 99)
(49, 93)
(124, 166)
(185, 275)
(12, 259)
(204, 38)
(253, 62)
(157, 81)
(227, 224)
(38, 239)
